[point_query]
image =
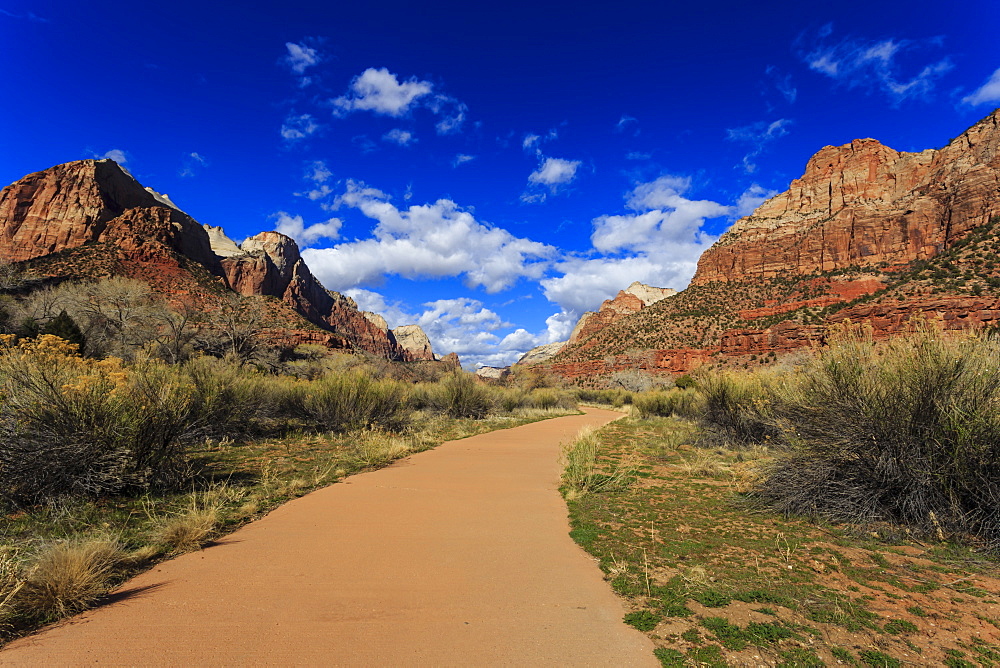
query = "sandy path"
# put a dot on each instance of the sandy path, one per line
(457, 556)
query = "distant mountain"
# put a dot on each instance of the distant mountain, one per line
(91, 218)
(867, 234)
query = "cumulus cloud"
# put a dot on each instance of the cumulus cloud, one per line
(872, 65)
(318, 172)
(295, 227)
(301, 57)
(461, 159)
(399, 136)
(379, 91)
(530, 141)
(659, 245)
(552, 173)
(989, 92)
(298, 126)
(426, 241)
(758, 135)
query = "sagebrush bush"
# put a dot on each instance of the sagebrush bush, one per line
(460, 395)
(228, 399)
(78, 427)
(675, 401)
(907, 431)
(738, 407)
(348, 401)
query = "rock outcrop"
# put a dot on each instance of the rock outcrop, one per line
(493, 373)
(542, 353)
(76, 204)
(866, 234)
(631, 300)
(865, 204)
(414, 342)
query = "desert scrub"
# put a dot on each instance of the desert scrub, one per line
(582, 473)
(907, 432)
(79, 427)
(676, 401)
(461, 395)
(346, 401)
(738, 407)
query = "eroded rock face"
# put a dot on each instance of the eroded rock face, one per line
(631, 300)
(542, 353)
(96, 201)
(413, 340)
(67, 206)
(865, 204)
(493, 372)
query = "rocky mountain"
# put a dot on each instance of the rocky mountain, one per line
(91, 217)
(867, 233)
(414, 341)
(631, 300)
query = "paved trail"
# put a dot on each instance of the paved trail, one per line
(458, 556)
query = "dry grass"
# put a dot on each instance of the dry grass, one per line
(189, 528)
(11, 582)
(67, 576)
(582, 474)
(376, 448)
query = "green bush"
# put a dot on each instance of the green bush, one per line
(460, 395)
(76, 427)
(351, 400)
(737, 407)
(907, 432)
(665, 404)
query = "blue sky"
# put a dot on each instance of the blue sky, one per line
(487, 171)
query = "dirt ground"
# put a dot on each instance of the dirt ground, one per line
(455, 556)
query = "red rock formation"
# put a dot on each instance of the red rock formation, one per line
(865, 204)
(95, 201)
(631, 300)
(65, 206)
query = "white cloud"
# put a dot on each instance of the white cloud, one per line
(554, 172)
(320, 192)
(300, 57)
(117, 155)
(627, 123)
(298, 127)
(758, 135)
(295, 227)
(659, 245)
(318, 172)
(989, 92)
(461, 159)
(872, 65)
(529, 141)
(379, 91)
(426, 241)
(399, 136)
(637, 155)
(451, 111)
(751, 198)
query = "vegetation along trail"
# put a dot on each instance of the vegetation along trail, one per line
(455, 556)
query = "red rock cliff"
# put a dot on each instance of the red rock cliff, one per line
(865, 204)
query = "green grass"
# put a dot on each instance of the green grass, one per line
(687, 547)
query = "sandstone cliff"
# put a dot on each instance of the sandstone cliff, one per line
(631, 300)
(865, 204)
(867, 233)
(414, 342)
(96, 202)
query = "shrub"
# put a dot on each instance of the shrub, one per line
(377, 448)
(738, 407)
(665, 404)
(906, 432)
(76, 427)
(189, 528)
(349, 401)
(228, 399)
(460, 395)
